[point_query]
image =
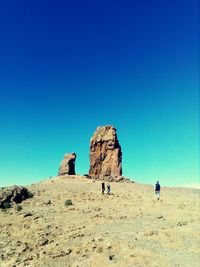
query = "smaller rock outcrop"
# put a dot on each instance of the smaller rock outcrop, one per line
(67, 165)
(13, 194)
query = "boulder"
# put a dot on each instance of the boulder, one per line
(105, 154)
(13, 194)
(67, 165)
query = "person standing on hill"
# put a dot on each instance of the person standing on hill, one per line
(108, 188)
(157, 190)
(103, 187)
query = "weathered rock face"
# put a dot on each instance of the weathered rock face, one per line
(105, 154)
(67, 165)
(13, 194)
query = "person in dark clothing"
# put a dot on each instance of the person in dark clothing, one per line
(108, 188)
(157, 190)
(103, 187)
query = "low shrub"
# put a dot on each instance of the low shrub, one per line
(18, 208)
(68, 202)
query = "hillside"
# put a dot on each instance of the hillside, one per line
(125, 229)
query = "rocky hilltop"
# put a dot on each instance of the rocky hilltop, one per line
(105, 154)
(69, 223)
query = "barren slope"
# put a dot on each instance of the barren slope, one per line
(128, 228)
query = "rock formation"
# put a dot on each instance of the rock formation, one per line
(13, 194)
(67, 165)
(105, 154)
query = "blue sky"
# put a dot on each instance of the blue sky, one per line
(67, 67)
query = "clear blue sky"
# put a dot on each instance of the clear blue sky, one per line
(67, 67)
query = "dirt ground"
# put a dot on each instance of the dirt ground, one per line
(127, 228)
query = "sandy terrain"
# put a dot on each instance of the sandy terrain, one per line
(128, 228)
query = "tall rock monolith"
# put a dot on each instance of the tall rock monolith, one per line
(105, 154)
